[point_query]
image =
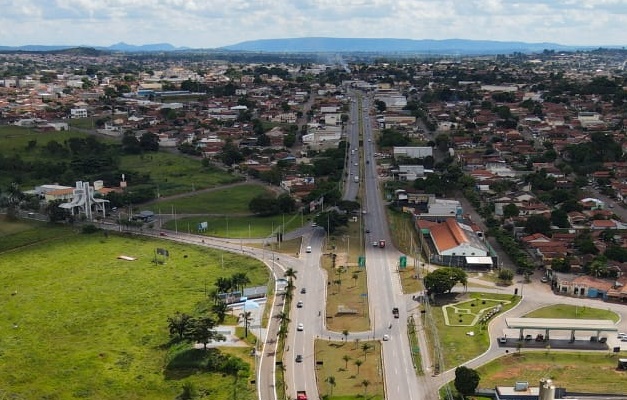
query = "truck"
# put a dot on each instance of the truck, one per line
(356, 178)
(381, 243)
(301, 395)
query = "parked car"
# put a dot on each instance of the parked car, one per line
(502, 340)
(544, 279)
(528, 337)
(540, 338)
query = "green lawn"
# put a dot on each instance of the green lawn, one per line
(348, 381)
(78, 322)
(238, 227)
(227, 201)
(14, 141)
(457, 346)
(174, 173)
(573, 312)
(15, 234)
(577, 372)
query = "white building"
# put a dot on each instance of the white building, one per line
(412, 152)
(78, 113)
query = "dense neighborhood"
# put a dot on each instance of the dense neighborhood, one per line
(512, 164)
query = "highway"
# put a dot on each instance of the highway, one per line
(384, 287)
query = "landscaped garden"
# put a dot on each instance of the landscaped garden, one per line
(573, 312)
(462, 341)
(80, 322)
(349, 370)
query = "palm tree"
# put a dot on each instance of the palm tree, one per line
(358, 363)
(365, 347)
(247, 317)
(283, 318)
(346, 359)
(223, 284)
(365, 383)
(356, 342)
(214, 295)
(345, 333)
(290, 273)
(331, 381)
(355, 277)
(220, 309)
(240, 280)
(282, 333)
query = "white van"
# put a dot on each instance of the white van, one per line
(308, 250)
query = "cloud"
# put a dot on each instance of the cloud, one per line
(213, 23)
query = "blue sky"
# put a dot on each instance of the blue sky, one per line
(215, 23)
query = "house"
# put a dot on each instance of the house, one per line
(452, 242)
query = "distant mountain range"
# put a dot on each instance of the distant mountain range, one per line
(426, 46)
(338, 45)
(118, 47)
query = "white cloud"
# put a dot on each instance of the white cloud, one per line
(213, 23)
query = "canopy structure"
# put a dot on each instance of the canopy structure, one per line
(479, 261)
(562, 324)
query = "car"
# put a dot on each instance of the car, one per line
(162, 234)
(540, 338)
(367, 230)
(528, 337)
(502, 340)
(356, 164)
(621, 335)
(375, 244)
(308, 250)
(367, 161)
(303, 290)
(300, 327)
(544, 279)
(299, 304)
(386, 338)
(623, 339)
(313, 224)
(395, 312)
(299, 358)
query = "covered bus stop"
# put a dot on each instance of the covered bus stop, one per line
(596, 326)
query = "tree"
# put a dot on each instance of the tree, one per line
(264, 204)
(538, 224)
(331, 220)
(443, 279)
(346, 359)
(466, 380)
(130, 144)
(511, 210)
(365, 347)
(230, 154)
(149, 142)
(365, 383)
(505, 275)
(202, 331)
(180, 324)
(345, 333)
(290, 274)
(358, 363)
(248, 318)
(220, 309)
(331, 381)
(559, 218)
(240, 280)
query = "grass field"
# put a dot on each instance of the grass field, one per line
(577, 372)
(14, 141)
(235, 227)
(78, 322)
(345, 244)
(349, 380)
(573, 312)
(17, 234)
(174, 173)
(405, 239)
(227, 201)
(457, 346)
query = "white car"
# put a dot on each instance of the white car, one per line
(300, 327)
(308, 250)
(299, 304)
(386, 338)
(502, 340)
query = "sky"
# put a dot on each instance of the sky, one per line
(216, 23)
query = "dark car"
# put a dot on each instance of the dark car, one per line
(299, 358)
(303, 290)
